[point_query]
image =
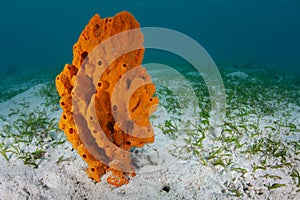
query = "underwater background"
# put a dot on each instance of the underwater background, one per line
(227, 134)
(40, 34)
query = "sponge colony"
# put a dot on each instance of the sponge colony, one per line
(140, 105)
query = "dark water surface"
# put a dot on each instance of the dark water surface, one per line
(40, 34)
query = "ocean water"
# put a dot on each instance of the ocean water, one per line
(235, 129)
(40, 34)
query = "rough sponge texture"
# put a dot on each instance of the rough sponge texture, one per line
(123, 100)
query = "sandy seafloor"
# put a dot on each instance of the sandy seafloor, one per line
(160, 166)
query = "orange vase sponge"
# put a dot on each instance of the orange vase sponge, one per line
(107, 97)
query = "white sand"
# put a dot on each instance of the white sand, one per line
(187, 178)
(238, 74)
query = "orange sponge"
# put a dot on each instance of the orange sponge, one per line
(121, 98)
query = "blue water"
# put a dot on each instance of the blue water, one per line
(40, 34)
